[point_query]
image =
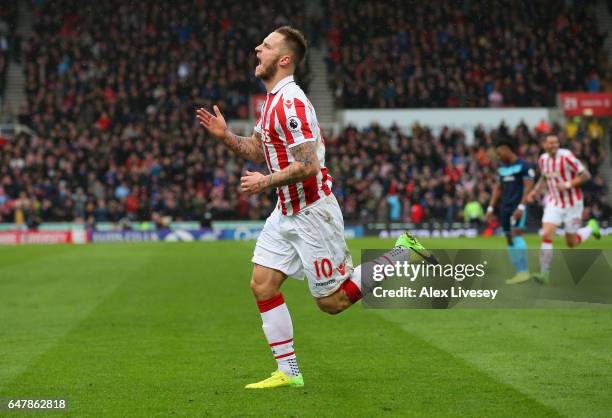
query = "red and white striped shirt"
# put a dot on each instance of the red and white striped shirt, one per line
(563, 167)
(288, 119)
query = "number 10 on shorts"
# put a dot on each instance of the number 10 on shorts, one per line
(323, 267)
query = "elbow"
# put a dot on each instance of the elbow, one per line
(583, 177)
(307, 171)
(313, 169)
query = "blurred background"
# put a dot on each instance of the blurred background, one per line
(98, 128)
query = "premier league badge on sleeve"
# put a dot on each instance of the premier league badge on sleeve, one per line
(294, 124)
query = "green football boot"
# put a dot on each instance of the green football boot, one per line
(541, 277)
(521, 277)
(594, 225)
(417, 251)
(278, 379)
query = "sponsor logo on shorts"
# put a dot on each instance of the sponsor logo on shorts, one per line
(325, 283)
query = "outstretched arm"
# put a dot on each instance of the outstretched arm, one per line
(247, 147)
(306, 165)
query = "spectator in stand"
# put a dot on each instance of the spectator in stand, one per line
(593, 83)
(595, 130)
(395, 208)
(473, 213)
(417, 214)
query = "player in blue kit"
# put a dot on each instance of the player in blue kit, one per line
(514, 184)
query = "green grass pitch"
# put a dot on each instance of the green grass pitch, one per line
(159, 329)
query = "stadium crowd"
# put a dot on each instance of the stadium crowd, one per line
(9, 40)
(378, 175)
(110, 63)
(446, 53)
(113, 82)
(112, 87)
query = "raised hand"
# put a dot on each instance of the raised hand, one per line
(215, 124)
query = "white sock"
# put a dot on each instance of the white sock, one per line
(584, 233)
(278, 328)
(546, 255)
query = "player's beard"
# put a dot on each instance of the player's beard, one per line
(268, 72)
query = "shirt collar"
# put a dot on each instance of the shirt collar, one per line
(282, 83)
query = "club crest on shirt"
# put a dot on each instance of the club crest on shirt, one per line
(294, 124)
(289, 103)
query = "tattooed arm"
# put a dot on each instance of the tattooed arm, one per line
(306, 165)
(247, 147)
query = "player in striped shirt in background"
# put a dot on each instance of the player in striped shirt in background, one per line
(304, 235)
(563, 174)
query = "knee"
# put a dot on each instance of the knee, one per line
(262, 290)
(332, 310)
(266, 282)
(333, 304)
(571, 242)
(548, 232)
(255, 287)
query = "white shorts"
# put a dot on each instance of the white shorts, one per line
(310, 243)
(570, 217)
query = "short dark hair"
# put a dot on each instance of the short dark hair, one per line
(549, 134)
(509, 142)
(296, 41)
